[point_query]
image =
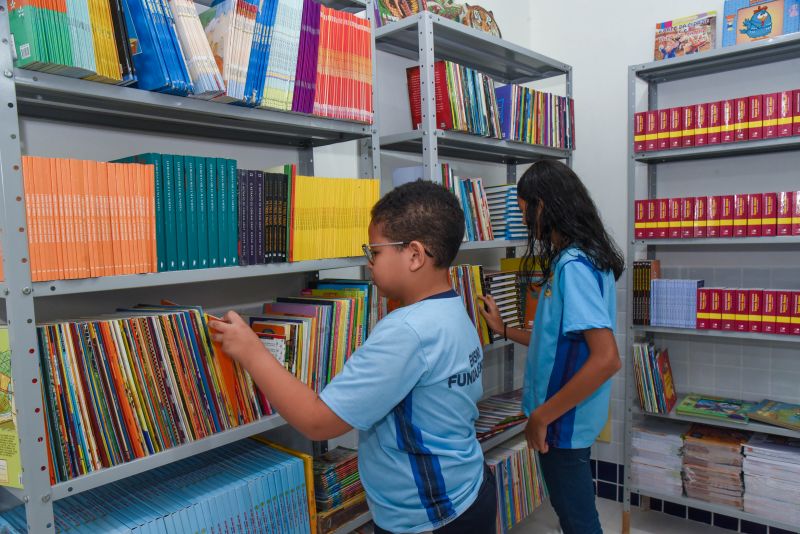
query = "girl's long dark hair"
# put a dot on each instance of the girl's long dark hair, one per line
(568, 209)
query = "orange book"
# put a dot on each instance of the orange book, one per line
(65, 178)
(106, 235)
(77, 169)
(95, 221)
(142, 219)
(112, 181)
(150, 199)
(132, 175)
(49, 168)
(186, 377)
(45, 264)
(227, 367)
(124, 214)
(27, 183)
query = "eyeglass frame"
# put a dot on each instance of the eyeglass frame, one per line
(366, 248)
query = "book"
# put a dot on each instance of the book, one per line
(656, 456)
(685, 36)
(782, 414)
(709, 406)
(746, 21)
(540, 118)
(506, 219)
(10, 460)
(468, 281)
(499, 413)
(771, 468)
(654, 381)
(472, 197)
(387, 11)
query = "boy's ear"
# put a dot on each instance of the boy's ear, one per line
(418, 256)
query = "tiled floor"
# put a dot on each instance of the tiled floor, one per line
(544, 521)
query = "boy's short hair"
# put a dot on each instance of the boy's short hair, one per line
(426, 212)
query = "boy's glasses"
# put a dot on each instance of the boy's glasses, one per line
(367, 249)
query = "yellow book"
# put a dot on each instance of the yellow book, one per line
(477, 280)
(10, 461)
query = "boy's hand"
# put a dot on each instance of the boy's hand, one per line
(536, 433)
(492, 316)
(236, 338)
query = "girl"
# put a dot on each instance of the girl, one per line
(572, 352)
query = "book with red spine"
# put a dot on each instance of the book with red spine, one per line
(783, 315)
(700, 217)
(785, 206)
(639, 131)
(755, 310)
(740, 212)
(444, 115)
(771, 106)
(714, 123)
(676, 127)
(742, 310)
(687, 217)
(640, 219)
(701, 125)
(796, 213)
(688, 125)
(796, 112)
(755, 117)
(769, 313)
(663, 129)
(741, 119)
(713, 215)
(795, 313)
(728, 309)
(651, 219)
(726, 216)
(675, 218)
(703, 309)
(755, 214)
(651, 131)
(728, 121)
(715, 308)
(785, 113)
(769, 219)
(662, 218)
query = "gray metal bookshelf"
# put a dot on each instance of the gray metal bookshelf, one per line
(752, 426)
(773, 50)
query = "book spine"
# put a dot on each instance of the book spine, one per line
(796, 112)
(755, 310)
(701, 125)
(687, 217)
(192, 248)
(755, 114)
(233, 212)
(785, 113)
(728, 126)
(771, 107)
(203, 190)
(663, 129)
(703, 309)
(225, 196)
(740, 214)
(742, 310)
(252, 220)
(783, 319)
(715, 305)
(700, 217)
(414, 96)
(639, 131)
(741, 119)
(662, 230)
(769, 221)
(795, 313)
(651, 131)
(639, 228)
(728, 309)
(714, 123)
(242, 218)
(726, 216)
(214, 219)
(651, 220)
(676, 127)
(755, 214)
(769, 313)
(784, 217)
(713, 215)
(260, 223)
(687, 126)
(675, 218)
(180, 205)
(796, 213)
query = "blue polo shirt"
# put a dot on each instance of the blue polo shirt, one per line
(411, 390)
(577, 297)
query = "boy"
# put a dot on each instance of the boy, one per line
(419, 460)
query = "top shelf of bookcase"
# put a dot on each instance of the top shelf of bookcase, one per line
(504, 61)
(779, 48)
(52, 97)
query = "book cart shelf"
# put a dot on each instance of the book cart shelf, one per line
(774, 50)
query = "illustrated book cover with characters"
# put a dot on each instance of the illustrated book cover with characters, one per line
(685, 36)
(747, 21)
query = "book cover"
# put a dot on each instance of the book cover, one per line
(740, 215)
(781, 414)
(687, 217)
(10, 460)
(639, 224)
(726, 216)
(715, 313)
(741, 119)
(796, 112)
(703, 309)
(795, 319)
(667, 383)
(687, 126)
(747, 21)
(755, 310)
(783, 314)
(701, 126)
(784, 113)
(663, 129)
(651, 131)
(714, 123)
(796, 214)
(714, 215)
(769, 221)
(742, 321)
(785, 203)
(755, 127)
(728, 124)
(713, 407)
(675, 218)
(755, 214)
(771, 111)
(685, 36)
(651, 221)
(676, 127)
(700, 217)
(728, 310)
(662, 217)
(769, 314)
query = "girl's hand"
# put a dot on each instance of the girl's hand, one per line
(536, 434)
(492, 316)
(237, 338)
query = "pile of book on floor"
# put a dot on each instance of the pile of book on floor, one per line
(656, 461)
(504, 288)
(499, 413)
(712, 464)
(518, 475)
(772, 478)
(504, 212)
(339, 495)
(467, 281)
(654, 382)
(673, 303)
(470, 193)
(217, 491)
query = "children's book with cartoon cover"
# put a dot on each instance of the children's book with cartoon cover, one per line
(746, 21)
(685, 36)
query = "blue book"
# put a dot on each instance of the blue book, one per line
(180, 74)
(148, 62)
(505, 104)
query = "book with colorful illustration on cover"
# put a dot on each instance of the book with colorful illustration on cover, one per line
(685, 36)
(712, 407)
(777, 413)
(393, 10)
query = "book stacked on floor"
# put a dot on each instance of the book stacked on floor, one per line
(470, 193)
(673, 303)
(712, 465)
(656, 460)
(654, 381)
(644, 272)
(505, 215)
(337, 486)
(499, 413)
(520, 487)
(772, 478)
(247, 485)
(535, 117)
(467, 281)
(505, 288)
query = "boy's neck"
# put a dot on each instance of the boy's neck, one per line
(428, 284)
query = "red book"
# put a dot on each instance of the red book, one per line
(796, 313)
(715, 314)
(771, 105)
(651, 131)
(770, 312)
(663, 129)
(662, 214)
(728, 309)
(740, 212)
(741, 119)
(785, 207)
(755, 114)
(796, 111)
(713, 215)
(687, 217)
(640, 221)
(728, 121)
(688, 126)
(742, 310)
(714, 123)
(639, 131)
(703, 309)
(769, 220)
(796, 214)
(701, 125)
(651, 220)
(700, 218)
(755, 310)
(785, 113)
(755, 213)
(675, 127)
(675, 218)
(783, 320)
(444, 116)
(726, 216)
(665, 374)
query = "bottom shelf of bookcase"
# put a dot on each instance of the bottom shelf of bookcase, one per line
(751, 426)
(716, 508)
(118, 472)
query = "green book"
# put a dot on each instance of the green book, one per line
(192, 250)
(180, 212)
(712, 407)
(223, 205)
(233, 214)
(202, 212)
(170, 212)
(782, 414)
(212, 213)
(25, 27)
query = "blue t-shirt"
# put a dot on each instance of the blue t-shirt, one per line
(411, 390)
(577, 297)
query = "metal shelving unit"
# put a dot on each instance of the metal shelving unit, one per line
(781, 48)
(752, 426)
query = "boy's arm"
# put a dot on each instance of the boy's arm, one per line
(296, 402)
(602, 364)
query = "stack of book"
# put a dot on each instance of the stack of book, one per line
(505, 288)
(673, 303)
(471, 195)
(246, 483)
(656, 460)
(537, 118)
(499, 413)
(712, 465)
(468, 282)
(505, 215)
(337, 488)
(654, 381)
(520, 487)
(644, 272)
(772, 478)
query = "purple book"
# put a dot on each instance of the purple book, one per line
(306, 73)
(301, 59)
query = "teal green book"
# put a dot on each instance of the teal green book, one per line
(24, 22)
(192, 250)
(212, 217)
(233, 214)
(223, 203)
(202, 212)
(170, 211)
(161, 243)
(180, 213)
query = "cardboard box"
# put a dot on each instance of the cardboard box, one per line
(771, 105)
(755, 126)
(785, 113)
(770, 312)
(755, 310)
(783, 321)
(703, 309)
(740, 212)
(755, 213)
(675, 218)
(728, 124)
(769, 220)
(651, 131)
(687, 217)
(700, 217)
(701, 125)
(676, 127)
(726, 216)
(651, 220)
(785, 208)
(639, 131)
(714, 123)
(741, 120)
(663, 129)
(640, 219)
(713, 215)
(715, 314)
(662, 214)
(729, 309)
(688, 126)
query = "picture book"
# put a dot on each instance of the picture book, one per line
(754, 20)
(777, 413)
(685, 36)
(10, 461)
(712, 407)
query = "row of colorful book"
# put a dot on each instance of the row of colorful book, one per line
(169, 212)
(743, 215)
(673, 303)
(471, 102)
(508, 294)
(499, 413)
(338, 492)
(472, 197)
(654, 382)
(504, 213)
(247, 486)
(767, 311)
(750, 118)
(776, 413)
(468, 282)
(644, 272)
(289, 55)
